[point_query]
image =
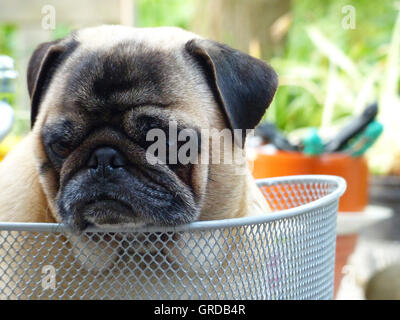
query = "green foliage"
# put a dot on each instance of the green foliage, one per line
(374, 23)
(61, 31)
(7, 47)
(328, 72)
(7, 39)
(155, 13)
(321, 56)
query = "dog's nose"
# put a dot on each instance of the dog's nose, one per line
(106, 157)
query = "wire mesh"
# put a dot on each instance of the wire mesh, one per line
(288, 254)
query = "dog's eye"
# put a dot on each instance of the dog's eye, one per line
(147, 123)
(60, 149)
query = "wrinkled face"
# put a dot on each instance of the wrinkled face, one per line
(95, 141)
(95, 98)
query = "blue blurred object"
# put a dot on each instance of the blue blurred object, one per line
(352, 129)
(6, 119)
(7, 75)
(313, 144)
(365, 139)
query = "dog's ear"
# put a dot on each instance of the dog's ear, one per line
(43, 63)
(244, 86)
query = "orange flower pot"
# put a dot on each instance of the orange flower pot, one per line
(353, 170)
(345, 245)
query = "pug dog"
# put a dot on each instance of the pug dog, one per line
(97, 93)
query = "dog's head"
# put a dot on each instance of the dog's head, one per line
(95, 96)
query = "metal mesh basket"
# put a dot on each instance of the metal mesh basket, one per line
(288, 254)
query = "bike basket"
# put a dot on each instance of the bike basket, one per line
(287, 254)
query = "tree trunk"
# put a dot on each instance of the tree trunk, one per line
(243, 24)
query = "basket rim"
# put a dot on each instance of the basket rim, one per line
(211, 224)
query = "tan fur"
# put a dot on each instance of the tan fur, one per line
(21, 197)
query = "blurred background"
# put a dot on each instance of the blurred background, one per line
(333, 57)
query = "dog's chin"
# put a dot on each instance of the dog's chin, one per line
(103, 214)
(113, 214)
(108, 213)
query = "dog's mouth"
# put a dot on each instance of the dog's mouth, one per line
(108, 212)
(101, 212)
(121, 206)
(83, 204)
(105, 211)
